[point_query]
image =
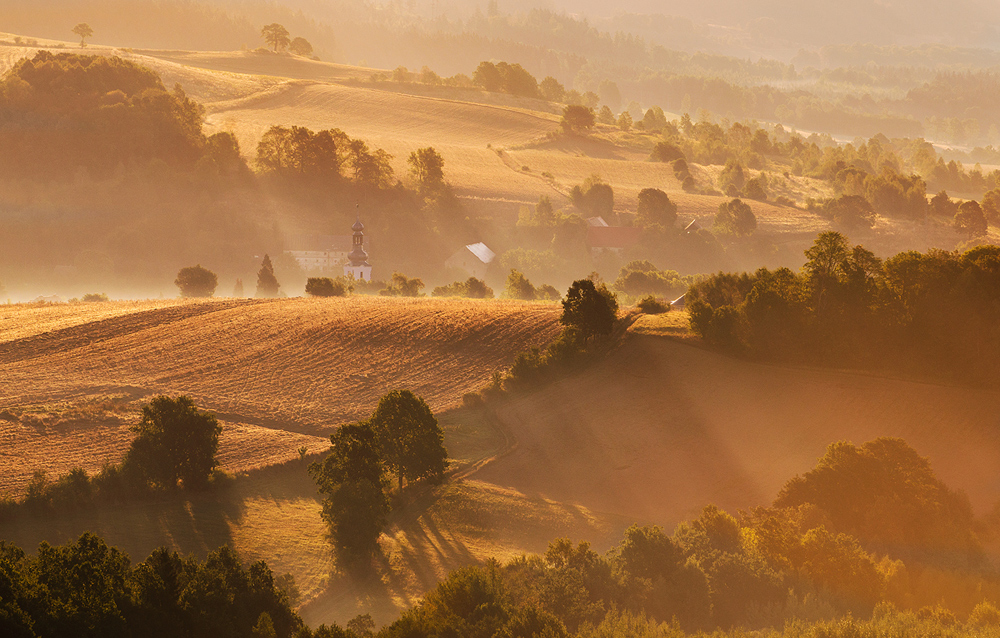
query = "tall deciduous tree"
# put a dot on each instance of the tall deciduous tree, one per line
(411, 439)
(427, 168)
(84, 31)
(275, 35)
(735, 218)
(175, 443)
(970, 220)
(589, 308)
(267, 283)
(655, 208)
(352, 478)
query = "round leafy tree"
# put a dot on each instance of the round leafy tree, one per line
(590, 309)
(411, 439)
(195, 281)
(175, 443)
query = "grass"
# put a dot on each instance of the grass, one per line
(675, 323)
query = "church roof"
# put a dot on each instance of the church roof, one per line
(358, 226)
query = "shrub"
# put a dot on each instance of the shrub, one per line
(652, 306)
(402, 286)
(195, 281)
(325, 287)
(471, 288)
(95, 297)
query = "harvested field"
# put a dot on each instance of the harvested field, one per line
(663, 428)
(301, 366)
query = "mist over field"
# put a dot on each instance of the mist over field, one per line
(526, 318)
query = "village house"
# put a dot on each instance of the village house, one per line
(474, 259)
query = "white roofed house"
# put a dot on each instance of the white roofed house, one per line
(474, 259)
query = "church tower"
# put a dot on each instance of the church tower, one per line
(357, 261)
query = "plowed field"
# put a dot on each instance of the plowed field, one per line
(281, 374)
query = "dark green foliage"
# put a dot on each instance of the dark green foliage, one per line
(655, 208)
(411, 440)
(471, 288)
(352, 477)
(195, 281)
(402, 286)
(174, 443)
(267, 283)
(89, 589)
(590, 309)
(735, 218)
(325, 287)
(577, 118)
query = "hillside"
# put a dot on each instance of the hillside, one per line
(662, 427)
(280, 373)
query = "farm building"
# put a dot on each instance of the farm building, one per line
(474, 259)
(611, 239)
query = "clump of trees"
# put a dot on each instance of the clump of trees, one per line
(326, 287)
(577, 119)
(849, 308)
(641, 277)
(297, 153)
(402, 286)
(519, 287)
(471, 288)
(401, 437)
(196, 281)
(735, 219)
(505, 78)
(174, 448)
(87, 588)
(594, 197)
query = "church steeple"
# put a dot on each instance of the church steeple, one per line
(357, 261)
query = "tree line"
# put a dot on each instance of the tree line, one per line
(847, 307)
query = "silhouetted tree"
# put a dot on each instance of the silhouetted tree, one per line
(275, 35)
(488, 77)
(195, 281)
(410, 438)
(267, 283)
(352, 479)
(174, 443)
(592, 310)
(851, 212)
(84, 31)
(238, 289)
(655, 208)
(552, 90)
(577, 118)
(735, 218)
(970, 219)
(427, 167)
(594, 197)
(301, 46)
(518, 287)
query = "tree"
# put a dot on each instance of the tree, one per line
(267, 283)
(488, 77)
(666, 152)
(352, 478)
(851, 212)
(735, 218)
(605, 116)
(427, 167)
(655, 208)
(84, 31)
(325, 287)
(518, 287)
(275, 35)
(195, 281)
(403, 286)
(238, 289)
(552, 90)
(732, 178)
(577, 119)
(755, 189)
(174, 443)
(594, 196)
(410, 438)
(625, 121)
(970, 220)
(301, 46)
(590, 309)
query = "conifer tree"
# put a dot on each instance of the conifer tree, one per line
(267, 283)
